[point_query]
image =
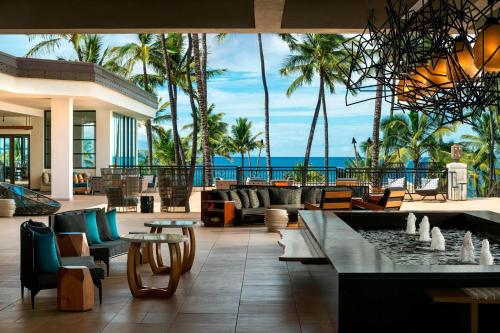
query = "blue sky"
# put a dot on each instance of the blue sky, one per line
(239, 93)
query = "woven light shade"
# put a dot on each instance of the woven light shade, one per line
(487, 47)
(461, 63)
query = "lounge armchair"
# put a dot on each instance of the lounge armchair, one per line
(35, 280)
(392, 199)
(173, 188)
(429, 188)
(122, 187)
(28, 202)
(337, 199)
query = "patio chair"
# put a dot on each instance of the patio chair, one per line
(392, 199)
(429, 187)
(28, 202)
(333, 199)
(398, 183)
(173, 188)
(122, 187)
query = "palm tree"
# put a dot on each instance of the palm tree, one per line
(217, 132)
(140, 52)
(49, 43)
(242, 140)
(267, 140)
(413, 135)
(481, 146)
(321, 55)
(202, 105)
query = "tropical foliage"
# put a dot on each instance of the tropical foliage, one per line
(178, 64)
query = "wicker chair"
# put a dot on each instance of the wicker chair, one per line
(28, 202)
(122, 187)
(173, 187)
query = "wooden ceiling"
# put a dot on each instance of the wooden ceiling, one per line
(127, 16)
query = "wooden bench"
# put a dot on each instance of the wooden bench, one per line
(472, 296)
(299, 245)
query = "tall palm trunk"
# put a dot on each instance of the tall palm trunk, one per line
(376, 128)
(203, 109)
(491, 157)
(393, 97)
(313, 125)
(266, 107)
(173, 101)
(327, 145)
(149, 131)
(356, 158)
(194, 114)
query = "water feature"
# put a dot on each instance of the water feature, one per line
(467, 249)
(408, 250)
(410, 224)
(437, 240)
(486, 257)
(423, 230)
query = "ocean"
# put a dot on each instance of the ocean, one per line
(282, 161)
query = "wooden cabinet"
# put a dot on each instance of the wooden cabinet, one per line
(216, 213)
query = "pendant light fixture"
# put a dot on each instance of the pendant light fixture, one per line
(461, 62)
(437, 73)
(487, 47)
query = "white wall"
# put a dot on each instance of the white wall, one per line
(104, 121)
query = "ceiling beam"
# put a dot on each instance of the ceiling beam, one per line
(268, 15)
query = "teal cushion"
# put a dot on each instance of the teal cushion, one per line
(46, 258)
(91, 222)
(113, 227)
(19, 190)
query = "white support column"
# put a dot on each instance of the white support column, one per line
(61, 145)
(104, 123)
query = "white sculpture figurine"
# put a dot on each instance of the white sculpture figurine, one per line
(423, 230)
(410, 224)
(486, 257)
(467, 249)
(437, 241)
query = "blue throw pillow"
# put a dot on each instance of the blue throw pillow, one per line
(46, 257)
(19, 190)
(113, 227)
(91, 222)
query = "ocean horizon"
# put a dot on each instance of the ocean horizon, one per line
(282, 161)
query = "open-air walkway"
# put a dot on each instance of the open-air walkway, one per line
(236, 284)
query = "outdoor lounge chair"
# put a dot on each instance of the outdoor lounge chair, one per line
(333, 199)
(28, 202)
(392, 199)
(34, 280)
(429, 188)
(173, 188)
(122, 187)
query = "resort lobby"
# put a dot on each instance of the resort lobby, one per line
(236, 284)
(250, 166)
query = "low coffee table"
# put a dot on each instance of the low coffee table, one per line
(187, 227)
(134, 263)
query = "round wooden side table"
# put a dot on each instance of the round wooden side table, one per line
(187, 227)
(134, 263)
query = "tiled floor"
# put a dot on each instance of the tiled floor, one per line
(237, 284)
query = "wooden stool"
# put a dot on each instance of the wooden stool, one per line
(75, 289)
(73, 244)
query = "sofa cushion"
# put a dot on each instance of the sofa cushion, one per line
(91, 222)
(294, 196)
(279, 196)
(112, 224)
(103, 226)
(310, 194)
(109, 249)
(71, 223)
(254, 198)
(264, 200)
(233, 195)
(220, 195)
(245, 200)
(46, 258)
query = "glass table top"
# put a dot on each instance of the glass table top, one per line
(170, 223)
(155, 238)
